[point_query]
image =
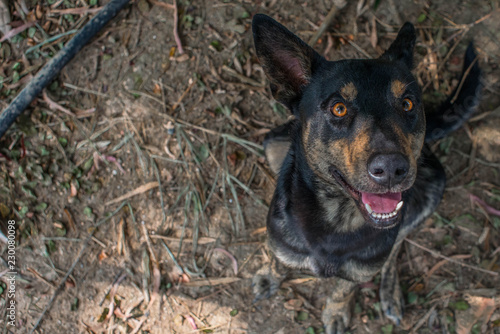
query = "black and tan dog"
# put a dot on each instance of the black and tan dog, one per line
(355, 173)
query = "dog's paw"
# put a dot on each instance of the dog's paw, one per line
(265, 284)
(391, 297)
(336, 316)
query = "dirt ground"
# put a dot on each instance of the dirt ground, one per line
(140, 173)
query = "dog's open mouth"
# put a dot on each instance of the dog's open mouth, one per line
(381, 210)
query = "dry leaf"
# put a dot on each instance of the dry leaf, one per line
(373, 35)
(293, 304)
(4, 17)
(74, 191)
(102, 256)
(481, 309)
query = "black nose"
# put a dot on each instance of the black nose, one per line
(388, 169)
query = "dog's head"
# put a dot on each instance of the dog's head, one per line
(362, 121)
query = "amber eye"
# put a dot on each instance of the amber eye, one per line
(339, 109)
(407, 104)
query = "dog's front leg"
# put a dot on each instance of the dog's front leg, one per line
(391, 297)
(267, 280)
(337, 313)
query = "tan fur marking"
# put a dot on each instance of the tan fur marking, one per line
(305, 134)
(404, 141)
(359, 146)
(338, 152)
(350, 155)
(416, 142)
(349, 92)
(397, 88)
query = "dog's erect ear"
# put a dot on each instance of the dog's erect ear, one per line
(286, 59)
(402, 47)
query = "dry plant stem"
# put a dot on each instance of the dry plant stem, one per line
(179, 101)
(37, 275)
(137, 191)
(466, 74)
(448, 55)
(157, 174)
(241, 77)
(162, 4)
(395, 12)
(422, 321)
(326, 23)
(176, 33)
(450, 259)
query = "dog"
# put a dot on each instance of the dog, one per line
(355, 172)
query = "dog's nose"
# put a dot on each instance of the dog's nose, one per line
(388, 169)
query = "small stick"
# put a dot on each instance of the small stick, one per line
(37, 275)
(241, 77)
(191, 84)
(176, 32)
(162, 4)
(326, 23)
(450, 259)
(466, 74)
(201, 240)
(395, 12)
(423, 319)
(85, 90)
(137, 191)
(76, 11)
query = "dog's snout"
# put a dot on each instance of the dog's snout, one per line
(388, 169)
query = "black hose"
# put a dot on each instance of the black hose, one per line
(55, 65)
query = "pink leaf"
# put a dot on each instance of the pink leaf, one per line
(16, 31)
(229, 255)
(486, 207)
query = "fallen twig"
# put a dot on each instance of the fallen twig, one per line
(137, 191)
(162, 4)
(40, 277)
(231, 256)
(326, 23)
(76, 11)
(200, 241)
(482, 203)
(211, 281)
(241, 77)
(423, 319)
(16, 31)
(191, 84)
(176, 32)
(437, 254)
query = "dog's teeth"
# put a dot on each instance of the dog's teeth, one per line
(400, 204)
(368, 208)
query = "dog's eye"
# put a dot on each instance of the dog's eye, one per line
(339, 109)
(407, 104)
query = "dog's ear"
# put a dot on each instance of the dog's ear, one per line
(402, 47)
(287, 60)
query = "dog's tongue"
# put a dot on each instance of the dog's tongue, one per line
(381, 203)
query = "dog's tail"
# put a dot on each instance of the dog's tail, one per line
(460, 105)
